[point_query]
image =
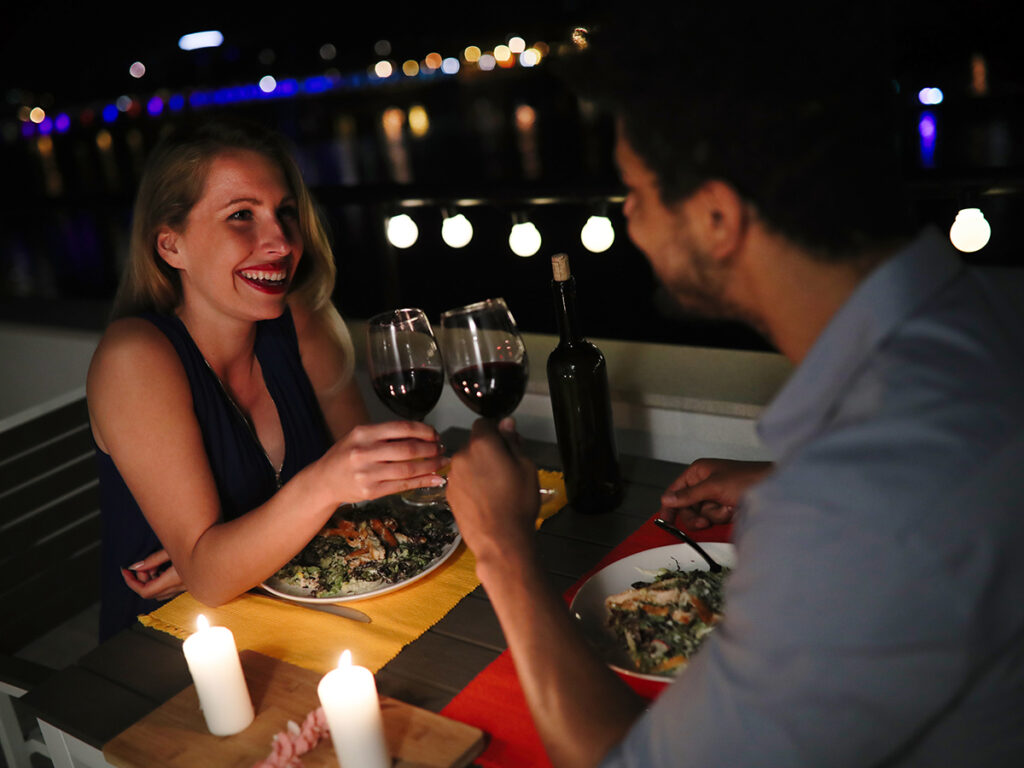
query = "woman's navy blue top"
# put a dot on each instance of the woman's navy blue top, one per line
(243, 473)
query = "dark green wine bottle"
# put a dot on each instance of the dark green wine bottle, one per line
(580, 401)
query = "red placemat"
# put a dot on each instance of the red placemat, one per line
(494, 701)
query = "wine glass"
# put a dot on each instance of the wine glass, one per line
(485, 357)
(406, 372)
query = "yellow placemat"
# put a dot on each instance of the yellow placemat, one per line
(314, 639)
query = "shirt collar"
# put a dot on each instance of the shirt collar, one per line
(883, 300)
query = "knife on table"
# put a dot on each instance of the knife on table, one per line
(337, 610)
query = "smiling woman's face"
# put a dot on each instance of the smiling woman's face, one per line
(241, 243)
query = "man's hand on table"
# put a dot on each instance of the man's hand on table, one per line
(494, 492)
(707, 492)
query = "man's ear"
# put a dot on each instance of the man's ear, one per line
(724, 217)
(167, 246)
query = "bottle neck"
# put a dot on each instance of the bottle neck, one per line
(565, 310)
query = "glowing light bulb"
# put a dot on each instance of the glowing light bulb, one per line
(930, 96)
(402, 231)
(197, 40)
(597, 234)
(524, 239)
(383, 69)
(268, 83)
(137, 70)
(456, 231)
(970, 231)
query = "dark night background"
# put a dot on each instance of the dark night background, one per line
(66, 199)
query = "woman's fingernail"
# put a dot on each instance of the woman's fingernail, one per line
(136, 566)
(437, 480)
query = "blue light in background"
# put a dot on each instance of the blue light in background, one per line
(46, 126)
(317, 84)
(176, 102)
(927, 130)
(110, 113)
(155, 106)
(62, 123)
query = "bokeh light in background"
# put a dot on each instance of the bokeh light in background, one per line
(419, 121)
(597, 234)
(402, 231)
(524, 239)
(456, 230)
(197, 40)
(927, 130)
(970, 231)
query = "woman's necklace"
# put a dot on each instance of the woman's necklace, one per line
(248, 424)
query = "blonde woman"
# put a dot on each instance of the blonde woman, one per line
(226, 420)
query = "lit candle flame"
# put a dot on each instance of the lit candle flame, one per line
(346, 659)
(202, 623)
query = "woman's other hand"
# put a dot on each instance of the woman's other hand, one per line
(707, 492)
(154, 578)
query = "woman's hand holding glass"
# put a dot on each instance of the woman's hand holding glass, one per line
(407, 373)
(376, 460)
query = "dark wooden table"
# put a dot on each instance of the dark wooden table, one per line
(139, 669)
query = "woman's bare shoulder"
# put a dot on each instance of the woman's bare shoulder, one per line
(132, 353)
(133, 342)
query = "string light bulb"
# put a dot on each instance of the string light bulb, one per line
(456, 230)
(524, 239)
(597, 234)
(970, 231)
(402, 231)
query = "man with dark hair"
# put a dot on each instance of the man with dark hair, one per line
(874, 615)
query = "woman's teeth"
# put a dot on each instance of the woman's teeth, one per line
(264, 276)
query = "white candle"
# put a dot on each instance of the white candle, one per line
(348, 695)
(217, 673)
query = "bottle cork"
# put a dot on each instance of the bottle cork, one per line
(560, 266)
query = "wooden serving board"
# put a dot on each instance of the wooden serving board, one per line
(175, 734)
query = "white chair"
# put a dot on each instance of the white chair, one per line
(16, 675)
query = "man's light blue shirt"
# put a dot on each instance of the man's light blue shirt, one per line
(876, 614)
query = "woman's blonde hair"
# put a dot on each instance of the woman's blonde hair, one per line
(173, 183)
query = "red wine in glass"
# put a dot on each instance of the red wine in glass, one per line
(407, 373)
(486, 357)
(492, 389)
(411, 392)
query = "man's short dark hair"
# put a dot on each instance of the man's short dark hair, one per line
(801, 119)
